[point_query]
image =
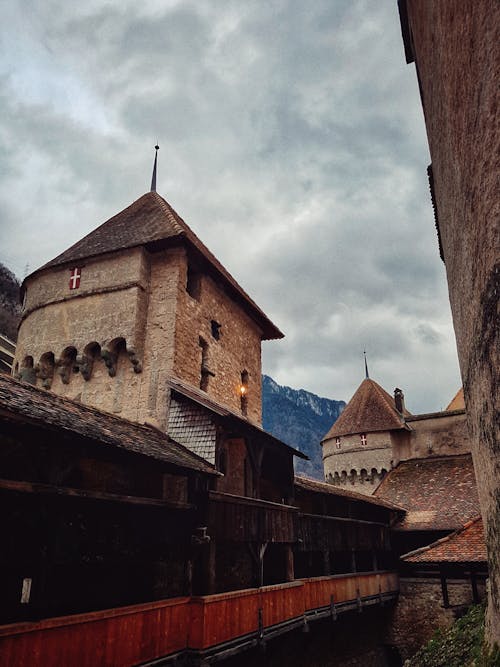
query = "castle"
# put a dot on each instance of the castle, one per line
(375, 432)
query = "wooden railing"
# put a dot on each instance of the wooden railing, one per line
(317, 532)
(240, 519)
(133, 635)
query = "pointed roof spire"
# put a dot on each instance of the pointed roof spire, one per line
(366, 367)
(153, 178)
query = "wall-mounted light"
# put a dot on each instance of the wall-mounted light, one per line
(243, 390)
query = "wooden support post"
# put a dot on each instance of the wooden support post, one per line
(374, 560)
(444, 589)
(353, 560)
(358, 601)
(473, 583)
(289, 564)
(380, 596)
(262, 551)
(333, 608)
(261, 625)
(326, 563)
(211, 579)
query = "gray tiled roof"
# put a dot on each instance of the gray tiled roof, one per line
(191, 426)
(48, 410)
(148, 221)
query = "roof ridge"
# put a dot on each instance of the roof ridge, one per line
(441, 540)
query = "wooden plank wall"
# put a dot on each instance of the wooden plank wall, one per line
(132, 635)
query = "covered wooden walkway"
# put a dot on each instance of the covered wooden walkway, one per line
(203, 629)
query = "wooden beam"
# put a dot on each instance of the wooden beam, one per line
(444, 589)
(37, 488)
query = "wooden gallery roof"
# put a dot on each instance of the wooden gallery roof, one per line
(30, 405)
(307, 484)
(465, 545)
(150, 221)
(370, 409)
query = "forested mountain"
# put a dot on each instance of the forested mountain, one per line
(300, 419)
(10, 308)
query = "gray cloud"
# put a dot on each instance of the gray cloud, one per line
(292, 142)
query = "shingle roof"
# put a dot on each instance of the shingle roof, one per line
(48, 410)
(201, 398)
(308, 484)
(438, 493)
(465, 545)
(457, 402)
(370, 409)
(147, 221)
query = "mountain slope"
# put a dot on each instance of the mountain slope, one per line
(300, 419)
(10, 308)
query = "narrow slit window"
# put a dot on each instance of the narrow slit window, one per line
(193, 283)
(215, 327)
(244, 393)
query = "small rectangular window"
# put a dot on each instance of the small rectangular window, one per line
(215, 327)
(193, 284)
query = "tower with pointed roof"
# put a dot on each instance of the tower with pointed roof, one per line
(137, 301)
(376, 431)
(358, 449)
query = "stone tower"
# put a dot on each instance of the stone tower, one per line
(139, 300)
(358, 449)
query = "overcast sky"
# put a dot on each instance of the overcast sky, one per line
(292, 142)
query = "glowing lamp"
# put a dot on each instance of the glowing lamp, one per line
(243, 390)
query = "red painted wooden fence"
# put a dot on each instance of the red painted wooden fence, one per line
(128, 636)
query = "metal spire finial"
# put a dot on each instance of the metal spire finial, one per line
(366, 366)
(153, 178)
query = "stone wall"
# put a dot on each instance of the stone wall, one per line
(456, 48)
(357, 466)
(236, 349)
(439, 434)
(419, 611)
(113, 341)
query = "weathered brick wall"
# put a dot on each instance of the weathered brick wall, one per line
(236, 350)
(419, 611)
(456, 46)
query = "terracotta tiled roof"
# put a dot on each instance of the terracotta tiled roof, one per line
(465, 545)
(237, 421)
(308, 484)
(43, 408)
(148, 221)
(457, 402)
(438, 493)
(370, 409)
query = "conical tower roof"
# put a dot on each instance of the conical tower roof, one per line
(151, 222)
(370, 409)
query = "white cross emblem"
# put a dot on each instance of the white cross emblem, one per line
(74, 279)
(363, 439)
